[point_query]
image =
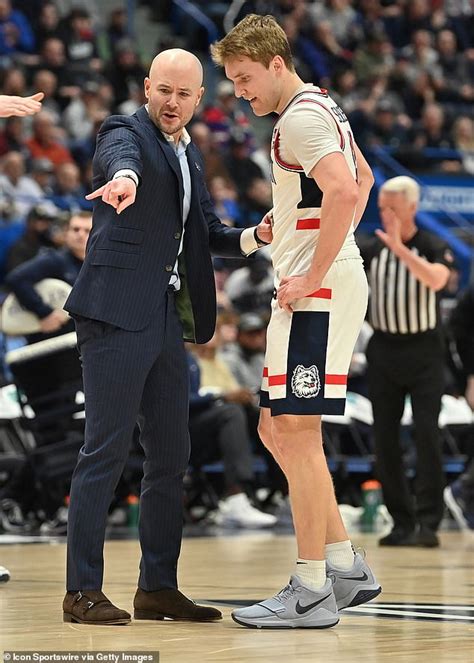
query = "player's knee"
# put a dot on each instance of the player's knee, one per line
(265, 434)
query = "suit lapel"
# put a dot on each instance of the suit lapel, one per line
(194, 170)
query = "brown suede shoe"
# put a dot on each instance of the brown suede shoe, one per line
(170, 603)
(92, 607)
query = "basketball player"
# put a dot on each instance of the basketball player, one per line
(321, 183)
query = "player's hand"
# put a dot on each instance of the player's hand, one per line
(264, 228)
(54, 321)
(292, 288)
(20, 106)
(391, 236)
(119, 193)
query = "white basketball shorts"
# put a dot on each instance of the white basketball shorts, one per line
(309, 351)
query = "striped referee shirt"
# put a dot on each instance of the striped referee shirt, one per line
(400, 303)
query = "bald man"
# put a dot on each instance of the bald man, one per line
(147, 283)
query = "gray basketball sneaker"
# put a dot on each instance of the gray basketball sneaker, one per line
(353, 586)
(296, 606)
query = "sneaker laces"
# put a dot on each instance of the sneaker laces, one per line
(285, 593)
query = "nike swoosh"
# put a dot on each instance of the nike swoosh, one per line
(302, 609)
(364, 576)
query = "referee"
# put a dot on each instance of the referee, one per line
(407, 267)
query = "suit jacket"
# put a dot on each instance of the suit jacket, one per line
(130, 257)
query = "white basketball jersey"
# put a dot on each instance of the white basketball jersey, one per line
(311, 126)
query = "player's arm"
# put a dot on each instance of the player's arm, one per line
(365, 183)
(340, 197)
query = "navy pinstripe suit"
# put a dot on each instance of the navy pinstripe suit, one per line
(130, 329)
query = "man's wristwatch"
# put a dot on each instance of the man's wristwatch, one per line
(127, 176)
(259, 241)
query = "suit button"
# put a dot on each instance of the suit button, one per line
(169, 268)
(177, 235)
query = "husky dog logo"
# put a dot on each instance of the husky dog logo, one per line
(305, 382)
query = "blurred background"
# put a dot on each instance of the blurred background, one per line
(403, 73)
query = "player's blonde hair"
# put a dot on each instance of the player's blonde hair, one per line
(403, 184)
(259, 38)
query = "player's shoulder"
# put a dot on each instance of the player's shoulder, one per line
(313, 103)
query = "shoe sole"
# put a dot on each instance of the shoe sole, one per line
(67, 617)
(362, 596)
(454, 509)
(282, 626)
(160, 616)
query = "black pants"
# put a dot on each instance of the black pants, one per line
(397, 367)
(128, 375)
(220, 433)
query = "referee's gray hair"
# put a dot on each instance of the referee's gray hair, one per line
(403, 184)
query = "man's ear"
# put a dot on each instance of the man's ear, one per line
(146, 87)
(200, 94)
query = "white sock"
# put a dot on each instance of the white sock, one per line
(340, 555)
(311, 572)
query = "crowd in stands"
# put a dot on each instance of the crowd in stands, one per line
(403, 71)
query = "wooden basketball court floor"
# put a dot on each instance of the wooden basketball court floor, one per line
(425, 613)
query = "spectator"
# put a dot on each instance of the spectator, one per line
(16, 35)
(218, 430)
(83, 112)
(420, 55)
(463, 139)
(432, 130)
(310, 62)
(224, 197)
(47, 81)
(452, 82)
(12, 137)
(68, 193)
(48, 24)
(81, 47)
(225, 115)
(53, 58)
(257, 201)
(42, 172)
(117, 28)
(246, 357)
(213, 160)
(385, 129)
(250, 288)
(16, 186)
(14, 82)
(341, 18)
(125, 73)
(44, 143)
(37, 236)
(373, 57)
(241, 167)
(63, 264)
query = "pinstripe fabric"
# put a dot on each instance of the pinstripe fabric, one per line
(131, 344)
(126, 273)
(126, 373)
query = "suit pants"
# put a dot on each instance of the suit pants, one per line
(129, 376)
(397, 367)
